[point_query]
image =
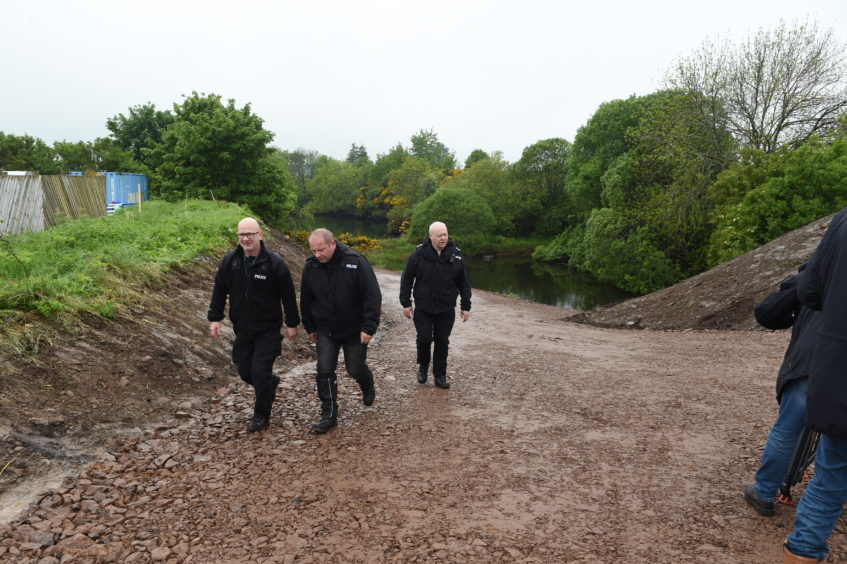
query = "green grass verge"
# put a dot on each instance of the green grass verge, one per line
(100, 265)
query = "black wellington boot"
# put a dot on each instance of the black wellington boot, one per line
(328, 394)
(366, 384)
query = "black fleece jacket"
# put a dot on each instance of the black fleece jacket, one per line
(341, 297)
(255, 292)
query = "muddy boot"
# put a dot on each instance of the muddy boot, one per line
(328, 394)
(441, 381)
(366, 384)
(791, 558)
(422, 374)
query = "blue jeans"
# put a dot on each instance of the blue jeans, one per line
(822, 501)
(782, 439)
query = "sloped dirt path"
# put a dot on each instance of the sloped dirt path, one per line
(557, 442)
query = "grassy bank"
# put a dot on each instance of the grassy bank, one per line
(101, 265)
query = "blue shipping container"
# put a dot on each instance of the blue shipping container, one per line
(122, 187)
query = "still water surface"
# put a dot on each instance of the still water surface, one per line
(517, 276)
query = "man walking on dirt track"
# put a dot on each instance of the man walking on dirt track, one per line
(822, 286)
(436, 274)
(256, 280)
(340, 300)
(781, 310)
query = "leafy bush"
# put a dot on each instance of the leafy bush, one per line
(765, 196)
(622, 253)
(468, 217)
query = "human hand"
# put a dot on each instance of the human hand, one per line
(466, 315)
(364, 338)
(313, 337)
(215, 329)
(407, 312)
(291, 332)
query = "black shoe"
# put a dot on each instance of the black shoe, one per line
(762, 507)
(257, 424)
(368, 396)
(441, 381)
(422, 376)
(324, 425)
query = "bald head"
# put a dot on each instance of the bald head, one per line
(249, 236)
(438, 236)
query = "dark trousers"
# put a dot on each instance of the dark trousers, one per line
(254, 355)
(434, 327)
(355, 357)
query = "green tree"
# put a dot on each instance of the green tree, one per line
(358, 155)
(766, 195)
(624, 253)
(542, 174)
(427, 147)
(412, 182)
(334, 188)
(218, 150)
(777, 88)
(24, 152)
(141, 130)
(491, 178)
(468, 217)
(475, 156)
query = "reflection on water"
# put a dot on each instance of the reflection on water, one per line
(518, 276)
(545, 283)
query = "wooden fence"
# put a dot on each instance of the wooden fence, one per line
(34, 202)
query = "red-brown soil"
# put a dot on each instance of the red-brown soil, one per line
(558, 441)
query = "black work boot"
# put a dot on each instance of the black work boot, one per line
(258, 423)
(366, 384)
(422, 374)
(761, 506)
(328, 394)
(441, 381)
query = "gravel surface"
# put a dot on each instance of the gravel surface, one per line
(558, 442)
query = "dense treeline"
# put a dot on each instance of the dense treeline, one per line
(744, 143)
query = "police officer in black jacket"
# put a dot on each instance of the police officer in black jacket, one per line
(823, 286)
(781, 310)
(256, 280)
(436, 274)
(340, 300)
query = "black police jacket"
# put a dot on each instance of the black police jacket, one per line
(255, 292)
(341, 297)
(435, 280)
(822, 286)
(781, 310)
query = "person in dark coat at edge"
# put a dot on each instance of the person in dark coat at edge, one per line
(436, 274)
(781, 310)
(340, 300)
(823, 286)
(256, 280)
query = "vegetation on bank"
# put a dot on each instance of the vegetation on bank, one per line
(742, 143)
(101, 266)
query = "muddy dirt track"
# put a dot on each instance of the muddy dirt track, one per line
(558, 442)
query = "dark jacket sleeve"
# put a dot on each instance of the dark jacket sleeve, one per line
(306, 298)
(219, 294)
(285, 289)
(465, 288)
(779, 309)
(407, 279)
(371, 297)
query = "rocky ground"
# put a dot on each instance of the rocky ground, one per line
(558, 441)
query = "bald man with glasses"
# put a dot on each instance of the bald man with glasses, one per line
(258, 284)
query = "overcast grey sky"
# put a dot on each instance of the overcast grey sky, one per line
(494, 75)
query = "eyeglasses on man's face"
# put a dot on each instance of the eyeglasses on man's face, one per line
(247, 235)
